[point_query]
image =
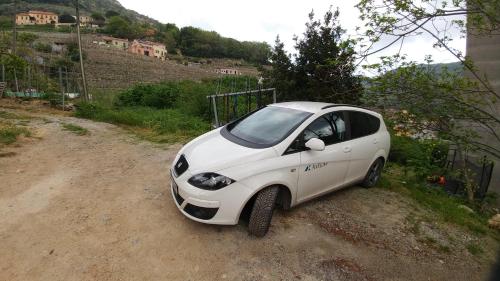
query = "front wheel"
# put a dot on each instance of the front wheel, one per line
(373, 174)
(262, 211)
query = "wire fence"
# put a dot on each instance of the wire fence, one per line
(39, 80)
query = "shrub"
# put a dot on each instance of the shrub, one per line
(162, 125)
(160, 96)
(425, 157)
(42, 47)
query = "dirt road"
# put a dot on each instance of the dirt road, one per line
(98, 207)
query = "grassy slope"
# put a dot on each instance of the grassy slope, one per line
(158, 125)
(443, 207)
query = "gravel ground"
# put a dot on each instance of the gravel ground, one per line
(98, 207)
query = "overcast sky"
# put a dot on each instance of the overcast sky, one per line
(260, 20)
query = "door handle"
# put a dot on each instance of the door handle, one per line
(347, 149)
(375, 141)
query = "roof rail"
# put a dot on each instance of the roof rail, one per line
(343, 104)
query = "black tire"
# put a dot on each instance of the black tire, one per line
(262, 211)
(373, 175)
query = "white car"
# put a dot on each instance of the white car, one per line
(283, 154)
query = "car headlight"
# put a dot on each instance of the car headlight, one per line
(210, 181)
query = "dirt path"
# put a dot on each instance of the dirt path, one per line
(97, 207)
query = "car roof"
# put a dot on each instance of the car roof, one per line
(309, 106)
(315, 107)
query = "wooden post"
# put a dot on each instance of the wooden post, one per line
(61, 87)
(66, 79)
(15, 80)
(14, 30)
(84, 81)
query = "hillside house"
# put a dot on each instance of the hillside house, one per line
(36, 18)
(149, 49)
(228, 71)
(118, 43)
(85, 20)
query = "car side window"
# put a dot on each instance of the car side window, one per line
(363, 124)
(330, 128)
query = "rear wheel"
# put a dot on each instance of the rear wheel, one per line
(373, 175)
(262, 211)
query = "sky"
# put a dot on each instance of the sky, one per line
(261, 20)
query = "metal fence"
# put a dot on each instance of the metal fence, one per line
(481, 169)
(37, 80)
(229, 106)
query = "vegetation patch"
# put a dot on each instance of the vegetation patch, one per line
(9, 133)
(77, 130)
(9, 115)
(474, 249)
(445, 207)
(158, 125)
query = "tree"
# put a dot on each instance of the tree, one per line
(450, 103)
(111, 13)
(119, 27)
(400, 19)
(325, 62)
(98, 19)
(65, 18)
(281, 73)
(324, 65)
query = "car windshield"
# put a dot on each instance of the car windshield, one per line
(268, 125)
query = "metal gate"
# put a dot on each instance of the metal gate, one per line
(230, 106)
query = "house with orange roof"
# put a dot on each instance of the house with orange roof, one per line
(149, 49)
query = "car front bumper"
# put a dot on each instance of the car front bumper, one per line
(221, 206)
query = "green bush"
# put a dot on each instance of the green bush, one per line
(425, 157)
(160, 96)
(42, 47)
(187, 96)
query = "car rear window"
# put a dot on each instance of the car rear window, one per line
(363, 124)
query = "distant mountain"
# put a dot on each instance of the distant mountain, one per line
(67, 6)
(451, 67)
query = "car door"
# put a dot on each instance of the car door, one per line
(322, 171)
(364, 142)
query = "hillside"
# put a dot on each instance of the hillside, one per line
(67, 6)
(452, 66)
(114, 69)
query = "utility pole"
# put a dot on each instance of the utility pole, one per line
(84, 81)
(14, 30)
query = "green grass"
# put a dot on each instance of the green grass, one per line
(9, 115)
(443, 207)
(77, 130)
(474, 249)
(9, 133)
(158, 125)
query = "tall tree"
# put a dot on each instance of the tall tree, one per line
(324, 65)
(447, 102)
(281, 73)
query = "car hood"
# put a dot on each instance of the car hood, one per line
(212, 152)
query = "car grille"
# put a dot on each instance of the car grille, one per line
(181, 166)
(200, 212)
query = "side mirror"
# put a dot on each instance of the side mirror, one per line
(315, 144)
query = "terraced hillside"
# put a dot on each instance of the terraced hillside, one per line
(113, 69)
